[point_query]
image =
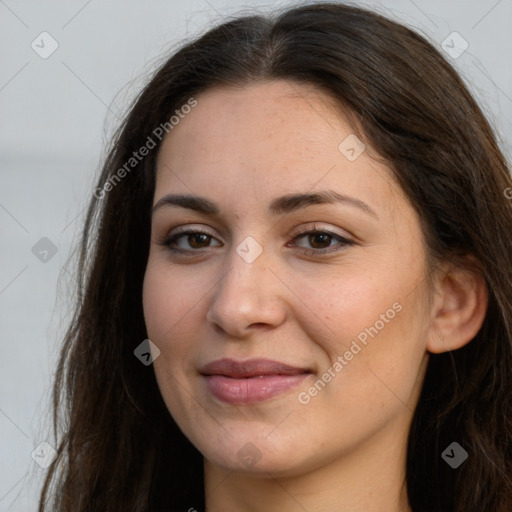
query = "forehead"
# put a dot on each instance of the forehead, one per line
(268, 139)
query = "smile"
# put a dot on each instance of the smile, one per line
(252, 381)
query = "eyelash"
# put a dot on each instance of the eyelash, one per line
(342, 242)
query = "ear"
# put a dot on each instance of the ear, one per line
(458, 308)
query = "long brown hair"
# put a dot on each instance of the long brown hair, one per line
(118, 447)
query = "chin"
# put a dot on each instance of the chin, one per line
(250, 453)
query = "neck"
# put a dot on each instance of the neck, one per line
(371, 477)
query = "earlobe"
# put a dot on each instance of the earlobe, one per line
(458, 310)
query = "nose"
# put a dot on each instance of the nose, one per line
(248, 297)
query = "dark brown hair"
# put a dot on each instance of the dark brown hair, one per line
(118, 447)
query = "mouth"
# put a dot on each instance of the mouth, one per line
(251, 381)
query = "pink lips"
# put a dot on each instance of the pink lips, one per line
(255, 380)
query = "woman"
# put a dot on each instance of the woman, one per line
(296, 284)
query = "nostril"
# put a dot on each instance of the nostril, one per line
(258, 325)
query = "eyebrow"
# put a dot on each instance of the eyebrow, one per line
(278, 206)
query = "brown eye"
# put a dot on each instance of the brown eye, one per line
(319, 240)
(189, 240)
(198, 240)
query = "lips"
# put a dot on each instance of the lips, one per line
(250, 368)
(254, 380)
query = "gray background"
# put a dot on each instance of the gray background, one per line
(56, 115)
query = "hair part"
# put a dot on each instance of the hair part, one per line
(118, 447)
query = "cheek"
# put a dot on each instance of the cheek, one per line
(372, 330)
(343, 305)
(169, 306)
(167, 300)
(174, 303)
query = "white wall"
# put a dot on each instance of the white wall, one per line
(52, 133)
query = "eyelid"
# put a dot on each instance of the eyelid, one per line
(181, 231)
(189, 228)
(323, 229)
(342, 241)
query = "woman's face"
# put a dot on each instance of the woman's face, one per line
(340, 317)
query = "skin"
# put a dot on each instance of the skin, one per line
(240, 149)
